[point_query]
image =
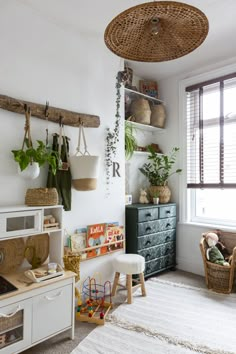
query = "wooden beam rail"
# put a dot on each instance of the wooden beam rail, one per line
(54, 114)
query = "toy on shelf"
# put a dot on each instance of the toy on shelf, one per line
(50, 223)
(93, 307)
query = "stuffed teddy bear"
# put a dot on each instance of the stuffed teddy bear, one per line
(143, 197)
(213, 254)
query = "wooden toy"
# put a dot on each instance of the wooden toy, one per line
(94, 307)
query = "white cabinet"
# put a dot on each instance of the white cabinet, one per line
(15, 319)
(33, 313)
(52, 308)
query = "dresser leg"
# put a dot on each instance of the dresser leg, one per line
(142, 283)
(115, 283)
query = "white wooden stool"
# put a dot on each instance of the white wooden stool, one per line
(129, 264)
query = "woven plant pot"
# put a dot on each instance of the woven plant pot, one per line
(141, 111)
(164, 193)
(158, 116)
(41, 197)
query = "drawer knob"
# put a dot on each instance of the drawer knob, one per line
(148, 228)
(148, 243)
(167, 211)
(168, 225)
(148, 215)
(147, 257)
(167, 239)
(167, 251)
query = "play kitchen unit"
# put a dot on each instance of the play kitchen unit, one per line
(36, 294)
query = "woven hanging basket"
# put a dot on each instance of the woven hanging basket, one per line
(140, 111)
(41, 197)
(158, 116)
(156, 31)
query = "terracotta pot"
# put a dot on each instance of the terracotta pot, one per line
(164, 193)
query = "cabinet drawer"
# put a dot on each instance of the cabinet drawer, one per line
(167, 211)
(159, 264)
(52, 312)
(152, 227)
(155, 239)
(157, 251)
(148, 214)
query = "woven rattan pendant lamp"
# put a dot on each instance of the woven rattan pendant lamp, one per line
(156, 31)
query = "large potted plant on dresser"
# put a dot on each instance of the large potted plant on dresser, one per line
(158, 171)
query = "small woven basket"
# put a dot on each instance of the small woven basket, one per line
(10, 322)
(41, 197)
(72, 263)
(220, 278)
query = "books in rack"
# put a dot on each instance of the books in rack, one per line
(96, 235)
(113, 234)
(149, 88)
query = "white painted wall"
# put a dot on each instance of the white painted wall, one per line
(41, 61)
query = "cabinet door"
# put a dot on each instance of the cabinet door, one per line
(15, 327)
(52, 312)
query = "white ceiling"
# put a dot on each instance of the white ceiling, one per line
(92, 16)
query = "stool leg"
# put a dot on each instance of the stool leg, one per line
(129, 288)
(115, 283)
(142, 283)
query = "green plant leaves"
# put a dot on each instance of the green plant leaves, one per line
(130, 141)
(160, 168)
(41, 155)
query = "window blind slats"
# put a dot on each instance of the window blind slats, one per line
(211, 134)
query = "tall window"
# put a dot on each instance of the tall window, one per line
(211, 150)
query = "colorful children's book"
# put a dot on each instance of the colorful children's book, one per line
(96, 235)
(78, 240)
(115, 233)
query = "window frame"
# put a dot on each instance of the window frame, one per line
(187, 196)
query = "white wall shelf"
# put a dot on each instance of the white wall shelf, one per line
(131, 93)
(145, 127)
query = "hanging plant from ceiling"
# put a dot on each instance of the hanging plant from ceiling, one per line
(113, 135)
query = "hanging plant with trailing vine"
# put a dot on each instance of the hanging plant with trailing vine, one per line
(113, 135)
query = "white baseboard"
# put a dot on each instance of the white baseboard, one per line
(190, 266)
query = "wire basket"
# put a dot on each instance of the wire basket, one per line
(220, 278)
(41, 197)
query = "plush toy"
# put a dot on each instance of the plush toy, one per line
(143, 197)
(213, 254)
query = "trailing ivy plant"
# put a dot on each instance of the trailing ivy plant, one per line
(113, 135)
(40, 154)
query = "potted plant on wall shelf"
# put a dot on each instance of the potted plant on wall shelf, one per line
(158, 171)
(130, 141)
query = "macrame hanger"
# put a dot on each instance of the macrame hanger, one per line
(81, 133)
(46, 117)
(27, 127)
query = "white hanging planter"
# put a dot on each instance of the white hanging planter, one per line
(84, 167)
(32, 171)
(84, 171)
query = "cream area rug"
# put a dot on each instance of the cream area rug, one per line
(172, 319)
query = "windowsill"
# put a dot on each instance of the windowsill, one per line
(209, 226)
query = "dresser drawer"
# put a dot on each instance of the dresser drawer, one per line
(148, 214)
(157, 251)
(167, 211)
(155, 239)
(152, 227)
(159, 264)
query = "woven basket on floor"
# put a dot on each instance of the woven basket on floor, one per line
(41, 197)
(220, 278)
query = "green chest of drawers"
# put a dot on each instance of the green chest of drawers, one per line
(151, 232)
